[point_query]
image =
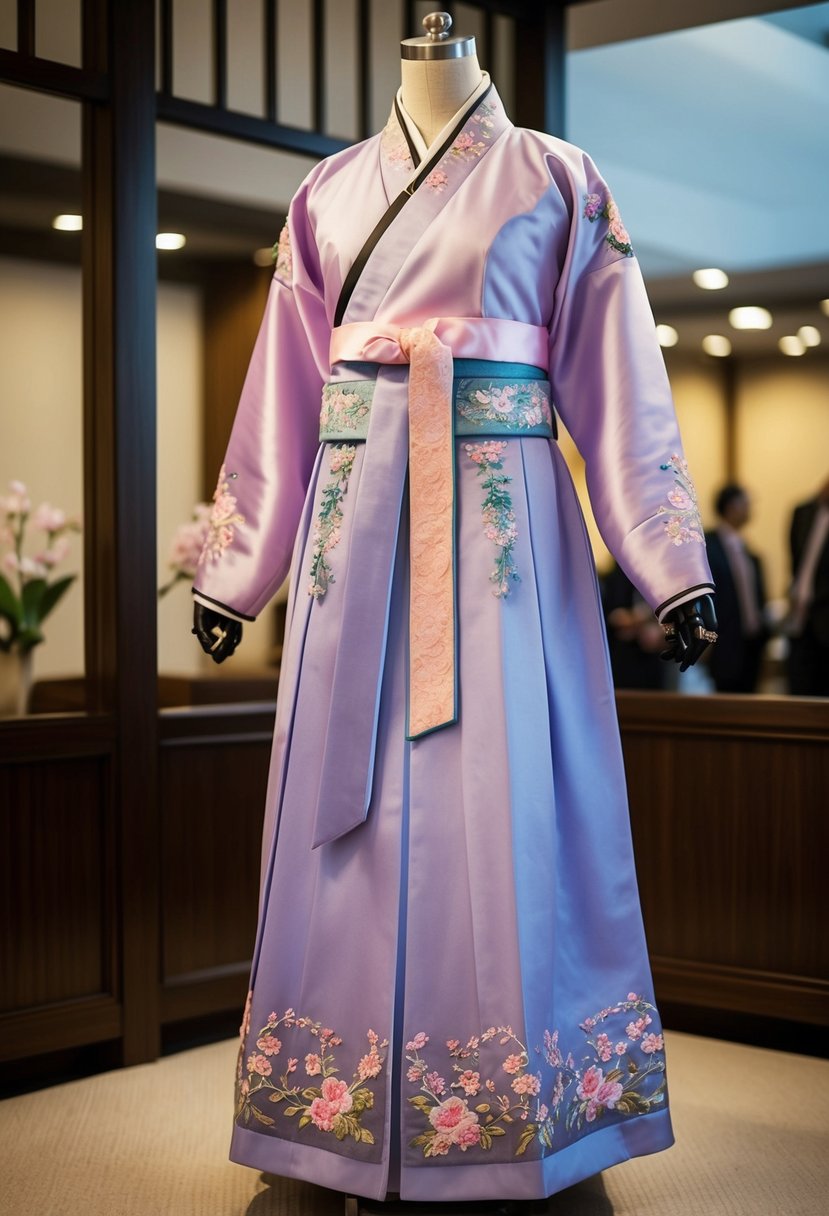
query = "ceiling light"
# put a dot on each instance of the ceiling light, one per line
(170, 240)
(750, 318)
(717, 345)
(667, 335)
(263, 257)
(808, 335)
(791, 345)
(710, 279)
(68, 223)
(824, 307)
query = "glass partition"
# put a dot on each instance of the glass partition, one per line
(41, 454)
(713, 141)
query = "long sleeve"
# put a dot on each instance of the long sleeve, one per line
(611, 389)
(275, 437)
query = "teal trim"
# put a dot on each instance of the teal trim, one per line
(502, 371)
(515, 403)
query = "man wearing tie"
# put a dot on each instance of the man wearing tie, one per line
(738, 576)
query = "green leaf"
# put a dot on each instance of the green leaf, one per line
(423, 1138)
(31, 596)
(27, 639)
(615, 1074)
(366, 1136)
(276, 1097)
(312, 1093)
(421, 1102)
(340, 1128)
(497, 1131)
(9, 603)
(257, 1114)
(293, 1110)
(54, 593)
(525, 1139)
(304, 1121)
(483, 1108)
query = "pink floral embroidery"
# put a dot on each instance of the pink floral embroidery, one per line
(221, 524)
(282, 256)
(393, 146)
(520, 405)
(437, 180)
(528, 1109)
(682, 524)
(496, 511)
(327, 527)
(335, 1106)
(617, 235)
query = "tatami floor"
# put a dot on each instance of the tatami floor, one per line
(751, 1125)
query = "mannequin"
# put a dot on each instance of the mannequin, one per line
(424, 888)
(438, 74)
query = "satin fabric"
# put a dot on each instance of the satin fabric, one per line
(492, 887)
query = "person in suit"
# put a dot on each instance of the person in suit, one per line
(741, 597)
(809, 595)
(634, 636)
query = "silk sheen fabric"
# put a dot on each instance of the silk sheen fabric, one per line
(488, 905)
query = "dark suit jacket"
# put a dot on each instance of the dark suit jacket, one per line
(802, 520)
(729, 655)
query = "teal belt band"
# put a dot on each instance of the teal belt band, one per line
(491, 398)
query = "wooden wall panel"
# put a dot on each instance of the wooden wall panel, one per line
(57, 917)
(214, 768)
(728, 802)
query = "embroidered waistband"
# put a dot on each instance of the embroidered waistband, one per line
(490, 398)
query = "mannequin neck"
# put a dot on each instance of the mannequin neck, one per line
(435, 89)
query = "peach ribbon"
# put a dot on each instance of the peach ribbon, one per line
(429, 350)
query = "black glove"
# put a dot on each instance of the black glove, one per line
(218, 634)
(690, 628)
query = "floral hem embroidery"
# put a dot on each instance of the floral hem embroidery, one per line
(496, 511)
(333, 1106)
(283, 257)
(683, 524)
(222, 521)
(511, 1101)
(330, 517)
(617, 236)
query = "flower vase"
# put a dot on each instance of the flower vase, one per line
(15, 682)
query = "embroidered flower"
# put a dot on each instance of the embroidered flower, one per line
(682, 523)
(334, 1107)
(496, 511)
(346, 407)
(327, 527)
(469, 1082)
(282, 256)
(270, 1045)
(522, 406)
(617, 235)
(222, 522)
(436, 180)
(526, 1109)
(394, 148)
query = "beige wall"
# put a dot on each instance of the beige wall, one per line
(782, 442)
(41, 406)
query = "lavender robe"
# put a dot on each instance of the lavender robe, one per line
(453, 1000)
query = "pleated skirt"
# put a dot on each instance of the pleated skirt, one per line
(454, 1000)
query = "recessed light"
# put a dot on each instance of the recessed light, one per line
(750, 318)
(710, 279)
(667, 335)
(263, 257)
(809, 335)
(824, 307)
(717, 345)
(68, 223)
(170, 240)
(791, 345)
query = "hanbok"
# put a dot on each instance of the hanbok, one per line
(450, 994)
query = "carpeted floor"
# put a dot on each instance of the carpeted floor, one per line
(751, 1125)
